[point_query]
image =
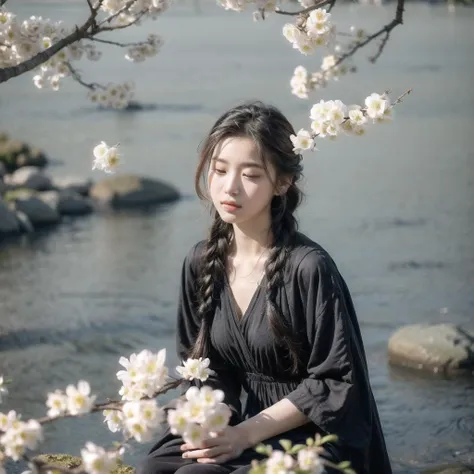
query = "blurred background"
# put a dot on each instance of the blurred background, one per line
(395, 208)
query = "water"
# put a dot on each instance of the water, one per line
(395, 209)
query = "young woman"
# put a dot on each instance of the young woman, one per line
(270, 309)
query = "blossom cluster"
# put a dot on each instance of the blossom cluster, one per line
(22, 40)
(195, 369)
(330, 118)
(18, 435)
(200, 416)
(107, 159)
(307, 460)
(315, 31)
(240, 5)
(74, 401)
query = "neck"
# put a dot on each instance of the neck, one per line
(252, 238)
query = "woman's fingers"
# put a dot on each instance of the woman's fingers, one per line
(217, 460)
(205, 453)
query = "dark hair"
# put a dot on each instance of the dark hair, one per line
(271, 131)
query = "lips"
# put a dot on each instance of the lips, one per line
(230, 205)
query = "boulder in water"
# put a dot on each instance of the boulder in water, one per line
(440, 348)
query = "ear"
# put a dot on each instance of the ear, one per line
(283, 185)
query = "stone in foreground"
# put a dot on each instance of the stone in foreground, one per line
(442, 348)
(71, 462)
(124, 191)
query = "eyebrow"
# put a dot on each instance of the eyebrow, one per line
(247, 164)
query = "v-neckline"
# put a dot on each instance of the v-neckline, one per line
(233, 302)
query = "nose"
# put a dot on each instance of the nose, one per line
(232, 184)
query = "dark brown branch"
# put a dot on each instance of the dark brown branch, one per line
(398, 20)
(40, 58)
(307, 10)
(116, 43)
(77, 77)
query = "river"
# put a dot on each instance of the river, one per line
(395, 208)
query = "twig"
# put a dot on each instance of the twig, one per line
(115, 15)
(398, 20)
(116, 43)
(77, 77)
(307, 10)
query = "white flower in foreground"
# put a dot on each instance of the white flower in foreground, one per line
(142, 419)
(279, 463)
(302, 141)
(356, 116)
(218, 418)
(57, 403)
(309, 460)
(376, 105)
(114, 420)
(211, 398)
(145, 374)
(195, 369)
(3, 389)
(79, 399)
(177, 420)
(97, 460)
(106, 158)
(19, 436)
(195, 434)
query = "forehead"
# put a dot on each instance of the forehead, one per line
(237, 150)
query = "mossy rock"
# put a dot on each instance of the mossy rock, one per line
(19, 193)
(450, 469)
(15, 154)
(71, 462)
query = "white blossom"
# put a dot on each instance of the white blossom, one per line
(106, 158)
(309, 460)
(195, 369)
(114, 420)
(217, 418)
(302, 141)
(376, 105)
(97, 460)
(145, 374)
(57, 403)
(279, 463)
(195, 434)
(79, 399)
(142, 419)
(20, 435)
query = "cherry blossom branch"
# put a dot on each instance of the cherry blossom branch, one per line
(398, 20)
(40, 58)
(77, 77)
(116, 43)
(306, 10)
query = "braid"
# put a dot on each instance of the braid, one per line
(212, 274)
(284, 227)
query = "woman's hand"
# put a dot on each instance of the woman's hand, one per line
(219, 448)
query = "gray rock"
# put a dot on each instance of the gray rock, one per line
(25, 223)
(441, 348)
(132, 191)
(29, 177)
(8, 222)
(72, 183)
(38, 212)
(3, 170)
(51, 198)
(73, 204)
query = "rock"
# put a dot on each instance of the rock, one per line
(441, 348)
(15, 153)
(132, 191)
(73, 204)
(38, 212)
(3, 170)
(72, 183)
(29, 177)
(450, 469)
(8, 222)
(51, 198)
(71, 462)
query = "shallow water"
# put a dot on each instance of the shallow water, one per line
(394, 209)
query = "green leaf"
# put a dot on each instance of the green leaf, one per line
(262, 449)
(327, 439)
(285, 444)
(310, 442)
(349, 471)
(296, 448)
(344, 465)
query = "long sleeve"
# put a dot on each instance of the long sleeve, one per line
(330, 394)
(188, 325)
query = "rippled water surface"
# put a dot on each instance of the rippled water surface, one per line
(395, 209)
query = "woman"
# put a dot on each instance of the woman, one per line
(268, 306)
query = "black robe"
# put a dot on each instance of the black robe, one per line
(332, 388)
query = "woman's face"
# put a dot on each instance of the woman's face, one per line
(241, 188)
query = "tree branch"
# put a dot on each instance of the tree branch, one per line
(398, 20)
(320, 4)
(116, 43)
(25, 66)
(77, 77)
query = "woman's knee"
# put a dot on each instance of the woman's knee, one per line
(156, 465)
(197, 468)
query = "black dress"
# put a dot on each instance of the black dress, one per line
(333, 388)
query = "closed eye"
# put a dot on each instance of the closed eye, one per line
(219, 171)
(252, 176)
